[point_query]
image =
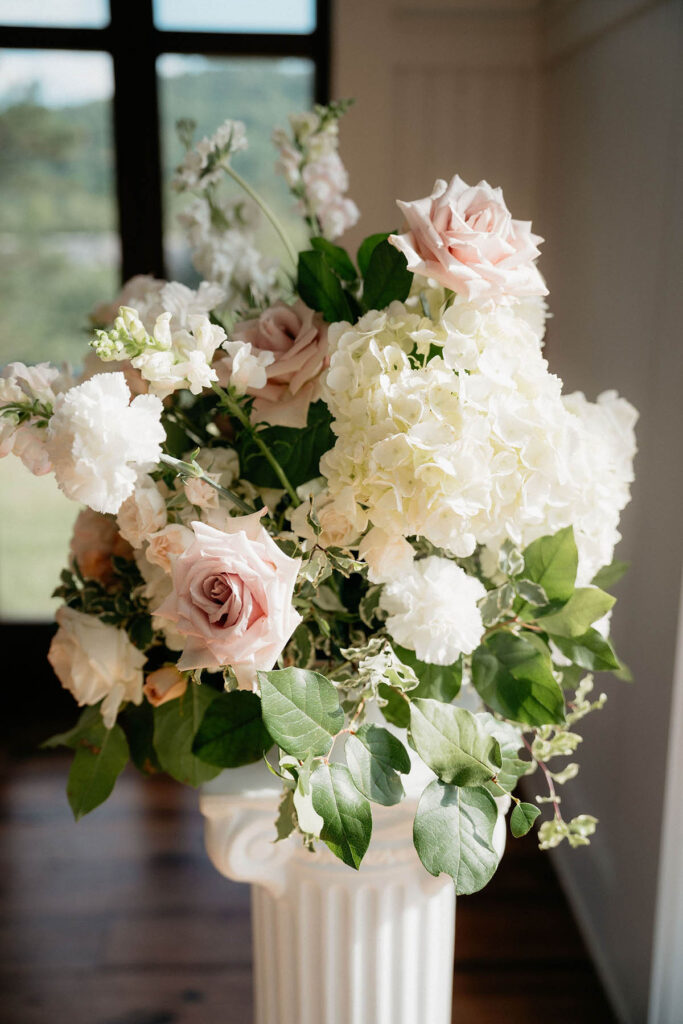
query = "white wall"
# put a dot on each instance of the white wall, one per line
(574, 106)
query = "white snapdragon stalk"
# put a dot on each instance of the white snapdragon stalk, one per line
(27, 397)
(204, 165)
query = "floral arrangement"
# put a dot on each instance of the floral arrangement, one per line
(337, 515)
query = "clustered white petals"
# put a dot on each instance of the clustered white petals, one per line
(432, 610)
(27, 396)
(204, 165)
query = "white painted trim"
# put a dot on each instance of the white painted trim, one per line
(666, 986)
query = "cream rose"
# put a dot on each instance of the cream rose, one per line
(296, 337)
(341, 520)
(232, 598)
(164, 684)
(464, 237)
(96, 662)
(143, 514)
(167, 544)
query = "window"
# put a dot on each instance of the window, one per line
(89, 95)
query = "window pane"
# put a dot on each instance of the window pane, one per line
(82, 13)
(59, 251)
(236, 15)
(260, 92)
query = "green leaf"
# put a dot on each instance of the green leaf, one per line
(319, 287)
(387, 277)
(522, 819)
(285, 823)
(101, 756)
(451, 741)
(88, 719)
(514, 676)
(552, 561)
(232, 732)
(395, 709)
(591, 651)
(366, 249)
(137, 721)
(453, 833)
(440, 682)
(301, 710)
(532, 593)
(510, 742)
(374, 758)
(175, 726)
(337, 258)
(297, 450)
(610, 574)
(369, 610)
(346, 814)
(585, 606)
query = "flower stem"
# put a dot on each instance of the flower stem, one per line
(193, 470)
(291, 251)
(235, 409)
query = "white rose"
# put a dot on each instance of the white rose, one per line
(143, 513)
(98, 439)
(432, 610)
(341, 520)
(96, 662)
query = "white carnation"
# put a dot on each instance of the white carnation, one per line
(96, 662)
(98, 439)
(432, 610)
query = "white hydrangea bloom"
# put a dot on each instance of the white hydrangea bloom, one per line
(432, 610)
(97, 440)
(475, 445)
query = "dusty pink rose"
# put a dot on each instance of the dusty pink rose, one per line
(232, 598)
(297, 338)
(465, 238)
(163, 685)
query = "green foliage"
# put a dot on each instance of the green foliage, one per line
(375, 757)
(346, 814)
(522, 819)
(453, 744)
(514, 676)
(393, 706)
(301, 711)
(137, 721)
(337, 258)
(552, 562)
(320, 288)
(585, 606)
(118, 604)
(440, 682)
(366, 249)
(610, 574)
(232, 732)
(88, 719)
(510, 741)
(453, 833)
(590, 651)
(387, 277)
(297, 450)
(286, 822)
(175, 726)
(101, 756)
(576, 832)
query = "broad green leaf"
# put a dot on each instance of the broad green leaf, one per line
(522, 819)
(585, 606)
(510, 742)
(297, 450)
(337, 258)
(453, 744)
(367, 247)
(137, 721)
(301, 710)
(387, 277)
(453, 833)
(375, 757)
(346, 814)
(319, 287)
(591, 651)
(514, 676)
(610, 574)
(90, 717)
(552, 561)
(395, 708)
(441, 682)
(232, 732)
(101, 756)
(175, 726)
(285, 823)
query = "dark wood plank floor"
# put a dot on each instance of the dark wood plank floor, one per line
(121, 919)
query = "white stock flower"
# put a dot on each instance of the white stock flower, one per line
(204, 165)
(98, 439)
(432, 610)
(248, 365)
(96, 662)
(143, 513)
(27, 396)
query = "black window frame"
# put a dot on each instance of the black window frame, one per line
(137, 158)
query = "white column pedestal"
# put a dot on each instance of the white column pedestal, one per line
(333, 945)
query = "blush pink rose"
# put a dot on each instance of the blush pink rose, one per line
(464, 238)
(232, 598)
(297, 338)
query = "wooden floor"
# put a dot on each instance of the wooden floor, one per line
(122, 920)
